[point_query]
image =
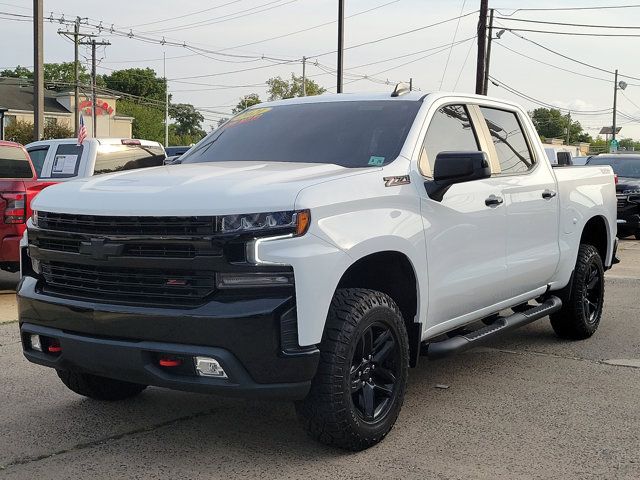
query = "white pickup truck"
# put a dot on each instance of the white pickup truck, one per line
(311, 249)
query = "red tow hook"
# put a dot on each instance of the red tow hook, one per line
(169, 362)
(54, 347)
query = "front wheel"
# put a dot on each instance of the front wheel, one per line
(359, 387)
(581, 311)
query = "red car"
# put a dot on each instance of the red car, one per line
(18, 186)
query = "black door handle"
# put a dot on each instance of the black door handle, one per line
(493, 201)
(548, 194)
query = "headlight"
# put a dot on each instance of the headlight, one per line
(296, 223)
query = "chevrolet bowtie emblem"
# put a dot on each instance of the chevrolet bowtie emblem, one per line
(99, 250)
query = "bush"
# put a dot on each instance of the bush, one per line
(22, 132)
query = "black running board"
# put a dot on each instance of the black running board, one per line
(463, 342)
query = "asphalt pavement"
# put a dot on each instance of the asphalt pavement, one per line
(526, 406)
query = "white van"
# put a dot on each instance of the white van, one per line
(63, 159)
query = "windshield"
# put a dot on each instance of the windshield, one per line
(350, 134)
(623, 167)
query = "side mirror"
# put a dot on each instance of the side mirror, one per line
(456, 167)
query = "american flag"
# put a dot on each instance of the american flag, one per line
(82, 130)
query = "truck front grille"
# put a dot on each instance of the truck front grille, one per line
(114, 225)
(127, 285)
(134, 249)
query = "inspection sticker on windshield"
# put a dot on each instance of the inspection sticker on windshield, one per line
(247, 116)
(376, 161)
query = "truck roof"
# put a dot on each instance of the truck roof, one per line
(99, 141)
(386, 96)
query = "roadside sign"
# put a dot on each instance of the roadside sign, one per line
(613, 146)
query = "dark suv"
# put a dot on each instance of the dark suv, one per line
(627, 167)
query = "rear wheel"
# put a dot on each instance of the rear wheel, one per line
(359, 387)
(99, 388)
(582, 309)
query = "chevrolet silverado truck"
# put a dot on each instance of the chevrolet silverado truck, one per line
(311, 249)
(18, 187)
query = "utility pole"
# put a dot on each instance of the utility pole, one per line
(411, 84)
(482, 42)
(304, 76)
(94, 95)
(38, 70)
(166, 101)
(340, 44)
(568, 126)
(75, 37)
(485, 84)
(615, 102)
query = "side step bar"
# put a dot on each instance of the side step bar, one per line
(463, 342)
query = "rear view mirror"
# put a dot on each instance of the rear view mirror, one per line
(456, 167)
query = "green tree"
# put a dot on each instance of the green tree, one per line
(18, 72)
(188, 121)
(280, 88)
(141, 82)
(59, 76)
(246, 102)
(56, 130)
(20, 131)
(551, 123)
(148, 121)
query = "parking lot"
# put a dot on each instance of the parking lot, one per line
(526, 406)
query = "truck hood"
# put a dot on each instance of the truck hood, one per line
(192, 189)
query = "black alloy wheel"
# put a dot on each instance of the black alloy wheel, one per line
(592, 294)
(373, 374)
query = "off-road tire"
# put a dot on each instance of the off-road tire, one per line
(99, 388)
(574, 320)
(328, 413)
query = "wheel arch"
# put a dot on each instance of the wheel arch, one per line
(596, 233)
(393, 273)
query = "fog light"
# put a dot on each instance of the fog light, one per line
(254, 279)
(35, 342)
(209, 367)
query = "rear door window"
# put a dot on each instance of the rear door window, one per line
(14, 163)
(450, 130)
(115, 158)
(66, 161)
(38, 156)
(509, 139)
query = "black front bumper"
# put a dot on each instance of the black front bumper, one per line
(250, 337)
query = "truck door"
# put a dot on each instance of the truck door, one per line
(465, 232)
(529, 190)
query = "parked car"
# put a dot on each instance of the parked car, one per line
(580, 160)
(560, 158)
(627, 168)
(176, 151)
(310, 249)
(18, 187)
(64, 159)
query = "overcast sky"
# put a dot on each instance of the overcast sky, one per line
(232, 24)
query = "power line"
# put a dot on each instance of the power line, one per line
(581, 25)
(307, 29)
(225, 18)
(499, 83)
(576, 34)
(464, 63)
(406, 32)
(455, 33)
(185, 15)
(556, 9)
